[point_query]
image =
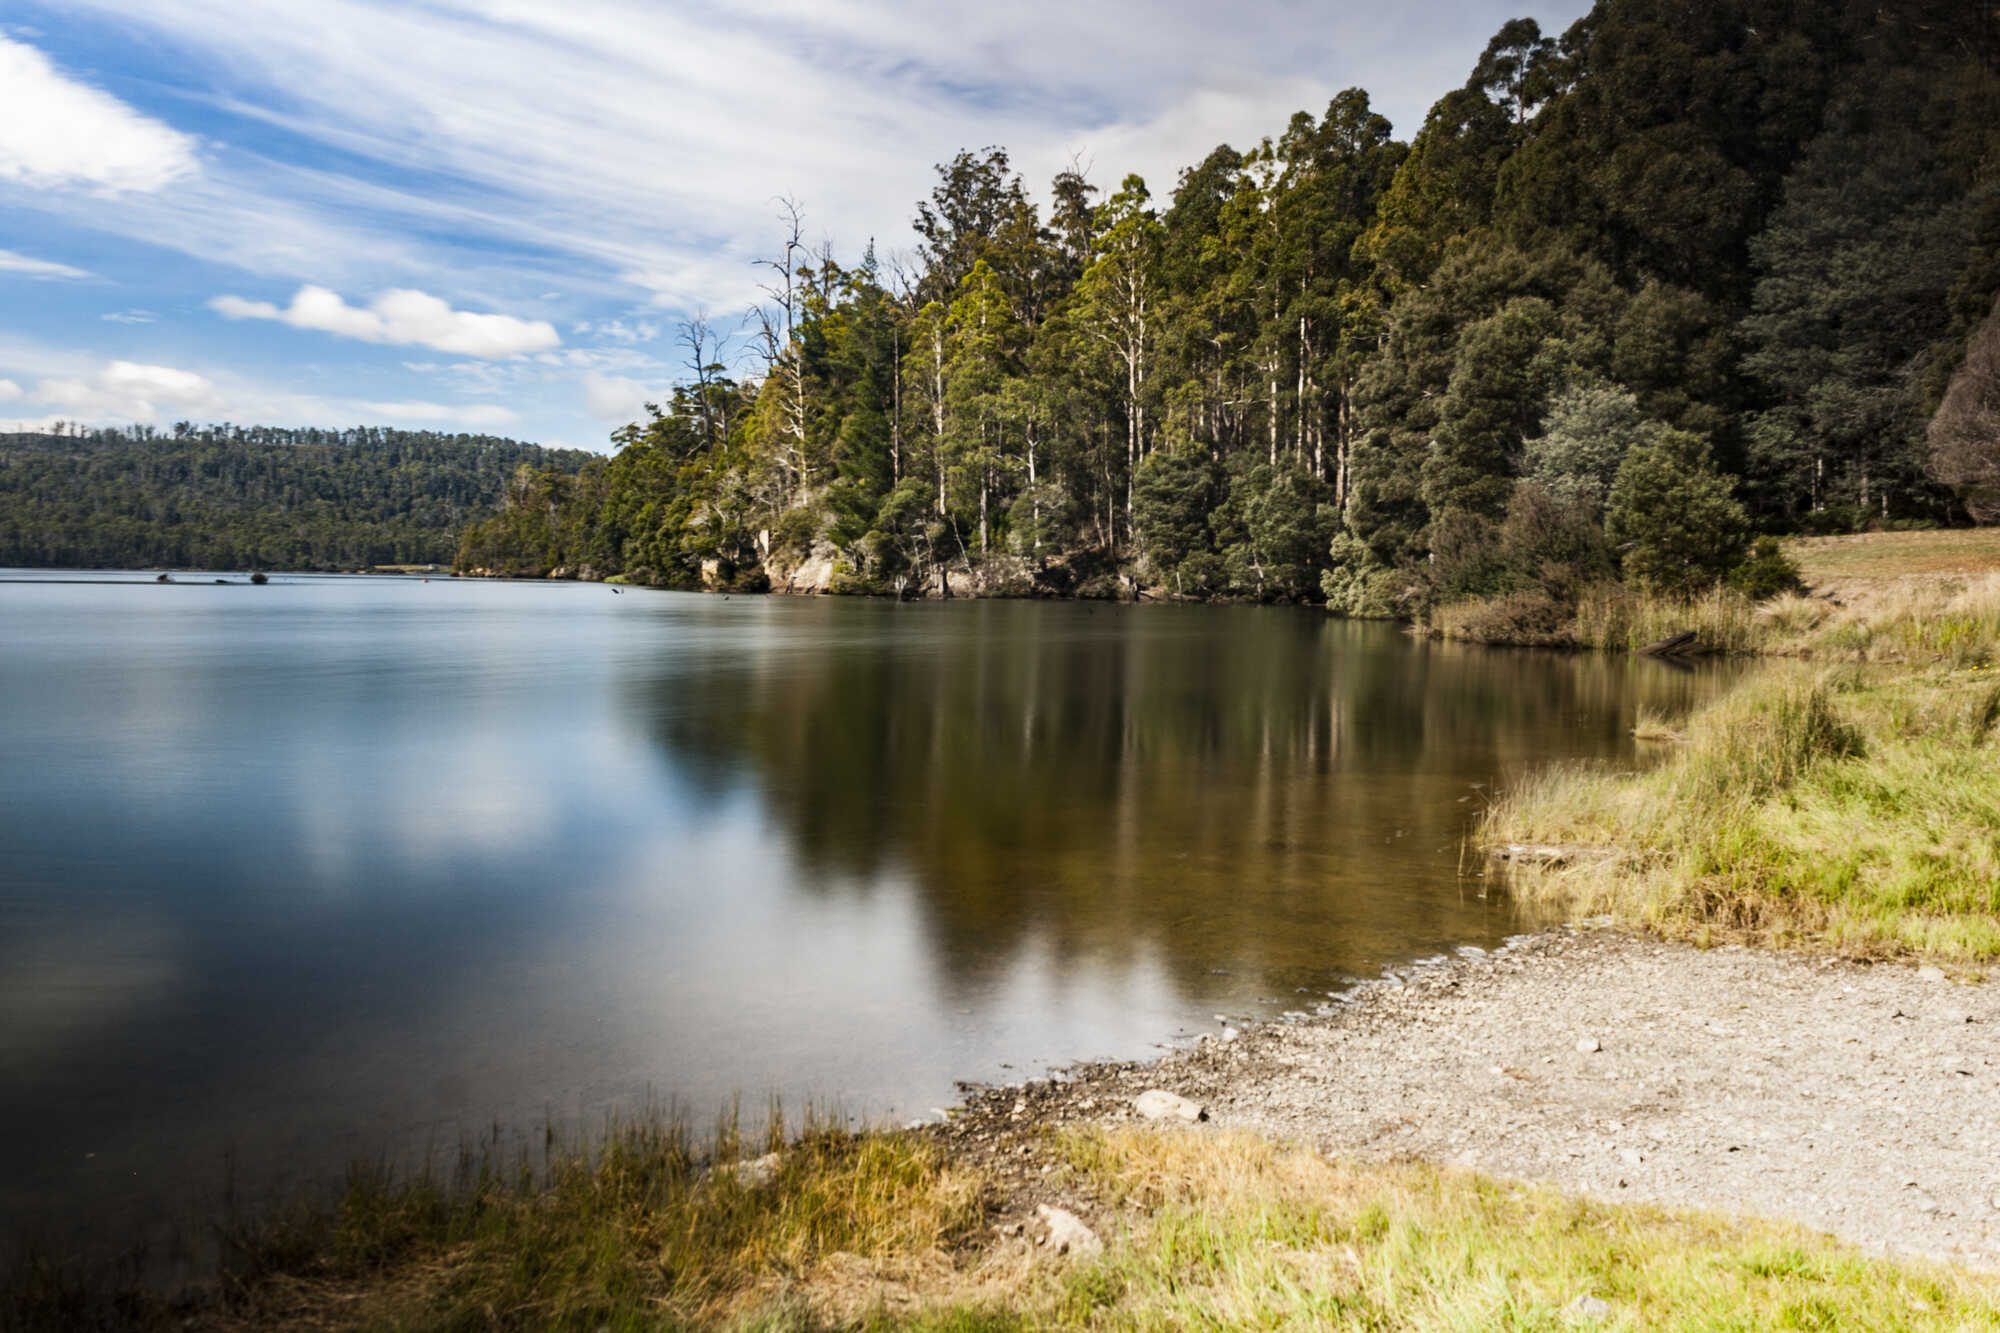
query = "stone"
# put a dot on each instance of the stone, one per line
(755, 1174)
(1589, 1307)
(1930, 973)
(1063, 1232)
(1158, 1104)
(1588, 1046)
(1630, 1156)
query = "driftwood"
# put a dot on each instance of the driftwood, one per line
(1546, 854)
(1674, 645)
(1531, 854)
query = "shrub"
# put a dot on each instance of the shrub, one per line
(1767, 573)
(1672, 516)
(1531, 618)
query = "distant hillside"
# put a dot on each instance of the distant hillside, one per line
(249, 497)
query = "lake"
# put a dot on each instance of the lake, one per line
(359, 867)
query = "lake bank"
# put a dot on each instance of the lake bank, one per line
(1246, 1218)
(1564, 1128)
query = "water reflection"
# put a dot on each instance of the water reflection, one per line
(1266, 794)
(350, 867)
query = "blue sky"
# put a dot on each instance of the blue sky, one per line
(491, 215)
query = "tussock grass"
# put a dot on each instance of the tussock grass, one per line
(640, 1231)
(879, 1231)
(1855, 809)
(1234, 1231)
(1654, 725)
(1624, 619)
(1947, 620)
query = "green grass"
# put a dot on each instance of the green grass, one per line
(1203, 1231)
(1855, 809)
(635, 1234)
(1234, 1231)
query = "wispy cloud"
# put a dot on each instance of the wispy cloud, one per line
(130, 391)
(614, 398)
(57, 131)
(11, 262)
(74, 386)
(403, 317)
(129, 317)
(314, 144)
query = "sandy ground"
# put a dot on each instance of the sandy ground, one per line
(1858, 1100)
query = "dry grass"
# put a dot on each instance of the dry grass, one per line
(1856, 810)
(1891, 554)
(1234, 1231)
(637, 1233)
(1202, 1231)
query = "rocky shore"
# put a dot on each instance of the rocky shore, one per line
(1858, 1100)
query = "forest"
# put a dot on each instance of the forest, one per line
(1688, 272)
(250, 497)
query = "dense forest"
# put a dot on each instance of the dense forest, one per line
(1691, 270)
(251, 497)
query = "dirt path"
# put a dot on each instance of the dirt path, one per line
(1858, 1100)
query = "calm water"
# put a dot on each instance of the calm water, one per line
(344, 867)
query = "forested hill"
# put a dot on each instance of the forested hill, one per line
(239, 497)
(1706, 262)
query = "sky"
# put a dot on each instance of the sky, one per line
(494, 215)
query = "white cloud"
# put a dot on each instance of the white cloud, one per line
(14, 262)
(74, 385)
(129, 317)
(646, 163)
(129, 391)
(55, 131)
(616, 399)
(617, 330)
(401, 316)
(468, 414)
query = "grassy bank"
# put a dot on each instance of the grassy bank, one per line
(1947, 618)
(1856, 809)
(1848, 799)
(641, 1231)
(1884, 596)
(883, 1231)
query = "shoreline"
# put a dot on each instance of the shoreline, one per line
(1858, 1100)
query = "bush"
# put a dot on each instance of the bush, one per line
(1768, 573)
(1672, 516)
(1532, 619)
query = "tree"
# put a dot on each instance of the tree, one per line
(1589, 429)
(1672, 518)
(1115, 305)
(1965, 434)
(1173, 495)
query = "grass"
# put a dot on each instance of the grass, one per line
(637, 1233)
(1234, 1231)
(1851, 807)
(1896, 554)
(1949, 619)
(1855, 809)
(1202, 1230)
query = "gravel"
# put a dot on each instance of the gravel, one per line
(1859, 1100)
